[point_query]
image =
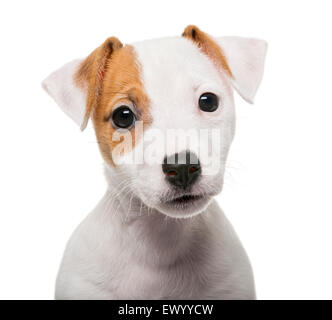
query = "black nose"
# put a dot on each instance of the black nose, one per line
(182, 169)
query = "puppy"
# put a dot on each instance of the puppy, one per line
(158, 233)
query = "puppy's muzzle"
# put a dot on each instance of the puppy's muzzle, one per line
(182, 169)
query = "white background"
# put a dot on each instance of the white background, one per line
(278, 184)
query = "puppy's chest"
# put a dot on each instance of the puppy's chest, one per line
(170, 282)
(194, 273)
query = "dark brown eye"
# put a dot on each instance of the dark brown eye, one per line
(123, 117)
(208, 102)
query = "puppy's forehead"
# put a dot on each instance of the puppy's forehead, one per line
(171, 64)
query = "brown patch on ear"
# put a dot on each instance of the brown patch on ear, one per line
(91, 73)
(208, 46)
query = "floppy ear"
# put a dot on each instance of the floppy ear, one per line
(77, 86)
(246, 60)
(242, 59)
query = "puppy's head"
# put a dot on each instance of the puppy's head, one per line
(163, 112)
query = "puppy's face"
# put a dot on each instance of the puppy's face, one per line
(163, 112)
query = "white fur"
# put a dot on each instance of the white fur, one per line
(61, 87)
(150, 256)
(133, 246)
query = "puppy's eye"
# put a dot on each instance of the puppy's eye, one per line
(208, 102)
(123, 117)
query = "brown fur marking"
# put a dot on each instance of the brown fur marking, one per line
(208, 47)
(111, 76)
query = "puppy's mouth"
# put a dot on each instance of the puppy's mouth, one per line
(184, 205)
(185, 199)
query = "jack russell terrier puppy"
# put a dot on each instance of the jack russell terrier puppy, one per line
(158, 233)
